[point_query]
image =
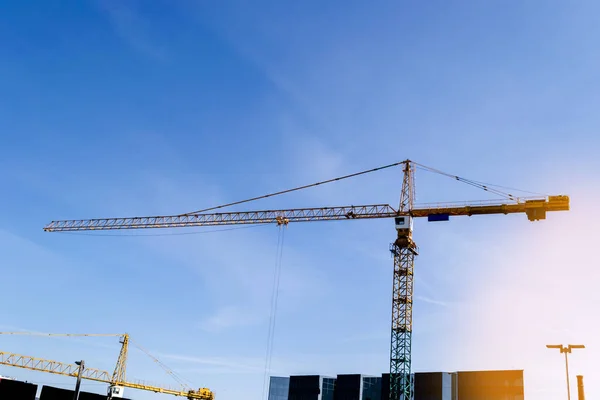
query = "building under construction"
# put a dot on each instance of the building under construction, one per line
(463, 385)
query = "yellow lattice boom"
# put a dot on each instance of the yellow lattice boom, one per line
(53, 367)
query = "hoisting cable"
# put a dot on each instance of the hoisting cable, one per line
(294, 189)
(168, 370)
(510, 188)
(467, 181)
(481, 185)
(274, 300)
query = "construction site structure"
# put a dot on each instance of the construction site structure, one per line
(403, 248)
(116, 380)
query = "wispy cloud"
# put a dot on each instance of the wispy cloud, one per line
(366, 337)
(230, 317)
(11, 328)
(433, 301)
(229, 365)
(188, 365)
(133, 28)
(248, 271)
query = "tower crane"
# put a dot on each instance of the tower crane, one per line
(403, 249)
(116, 380)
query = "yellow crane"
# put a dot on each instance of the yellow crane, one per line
(116, 380)
(403, 248)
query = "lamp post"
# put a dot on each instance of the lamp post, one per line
(580, 394)
(78, 384)
(566, 350)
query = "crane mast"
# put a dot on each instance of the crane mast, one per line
(403, 249)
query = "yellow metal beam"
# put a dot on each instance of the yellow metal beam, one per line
(119, 374)
(203, 393)
(72, 370)
(53, 367)
(531, 206)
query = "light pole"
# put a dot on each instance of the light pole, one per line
(580, 394)
(566, 350)
(78, 384)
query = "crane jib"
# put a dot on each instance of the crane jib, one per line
(535, 208)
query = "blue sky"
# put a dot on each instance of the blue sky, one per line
(126, 108)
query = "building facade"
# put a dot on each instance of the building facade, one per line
(490, 385)
(279, 387)
(328, 388)
(308, 387)
(357, 387)
(371, 389)
(464, 385)
(13, 389)
(433, 386)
